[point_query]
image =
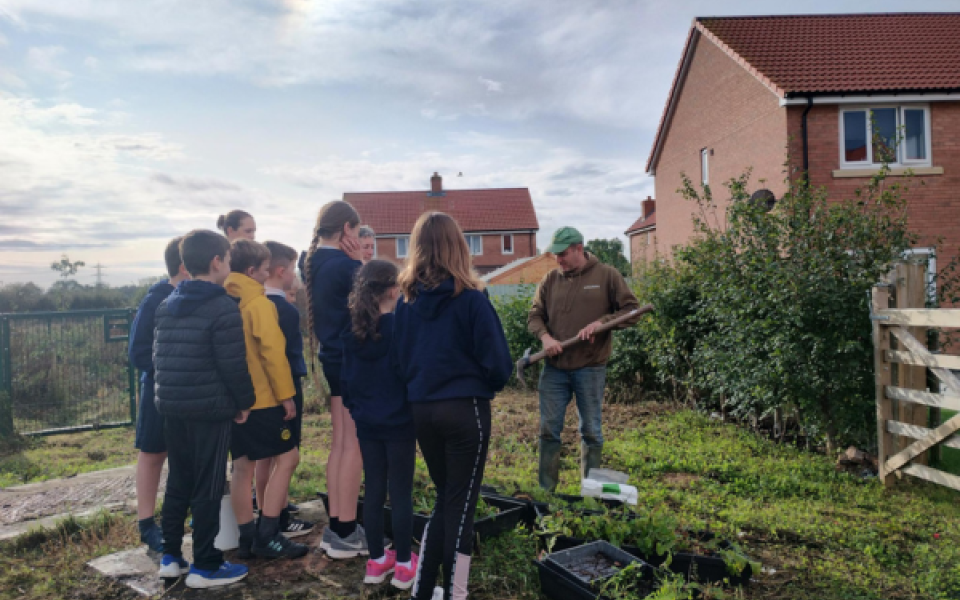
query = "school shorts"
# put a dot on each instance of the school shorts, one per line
(149, 435)
(264, 435)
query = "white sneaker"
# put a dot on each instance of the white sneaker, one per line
(351, 546)
(172, 566)
(437, 593)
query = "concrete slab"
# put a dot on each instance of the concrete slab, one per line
(137, 568)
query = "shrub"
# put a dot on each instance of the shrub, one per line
(513, 313)
(768, 309)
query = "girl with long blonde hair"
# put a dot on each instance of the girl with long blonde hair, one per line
(450, 351)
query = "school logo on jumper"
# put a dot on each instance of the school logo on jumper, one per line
(285, 434)
(591, 287)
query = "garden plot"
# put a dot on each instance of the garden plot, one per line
(819, 534)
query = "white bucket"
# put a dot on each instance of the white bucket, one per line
(229, 536)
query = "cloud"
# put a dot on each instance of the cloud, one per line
(575, 59)
(45, 60)
(491, 85)
(579, 171)
(92, 63)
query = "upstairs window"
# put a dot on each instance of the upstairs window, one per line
(475, 242)
(507, 247)
(899, 135)
(705, 166)
(403, 245)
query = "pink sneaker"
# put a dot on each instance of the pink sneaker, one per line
(377, 573)
(403, 577)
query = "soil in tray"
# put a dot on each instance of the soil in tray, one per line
(597, 567)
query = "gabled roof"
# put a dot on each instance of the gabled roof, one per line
(800, 55)
(507, 267)
(395, 213)
(643, 224)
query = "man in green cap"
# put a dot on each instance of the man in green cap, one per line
(573, 300)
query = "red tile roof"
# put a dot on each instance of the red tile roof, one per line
(393, 213)
(830, 54)
(641, 223)
(845, 53)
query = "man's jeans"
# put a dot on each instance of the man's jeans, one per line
(557, 387)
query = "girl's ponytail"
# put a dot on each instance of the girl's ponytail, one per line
(373, 280)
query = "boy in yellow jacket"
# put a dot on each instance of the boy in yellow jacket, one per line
(267, 432)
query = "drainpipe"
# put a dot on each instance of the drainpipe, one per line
(806, 153)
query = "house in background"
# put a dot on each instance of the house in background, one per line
(748, 89)
(500, 224)
(522, 271)
(643, 234)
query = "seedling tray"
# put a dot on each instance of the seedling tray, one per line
(698, 567)
(510, 513)
(578, 573)
(542, 508)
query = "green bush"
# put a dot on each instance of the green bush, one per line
(768, 309)
(513, 311)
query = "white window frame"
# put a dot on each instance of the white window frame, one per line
(469, 245)
(406, 240)
(503, 246)
(901, 161)
(705, 166)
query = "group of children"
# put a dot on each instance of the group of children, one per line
(411, 356)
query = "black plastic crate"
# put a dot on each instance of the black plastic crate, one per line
(558, 582)
(694, 567)
(510, 515)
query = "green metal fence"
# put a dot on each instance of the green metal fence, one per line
(66, 371)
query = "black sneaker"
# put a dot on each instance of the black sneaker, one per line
(245, 548)
(292, 508)
(296, 527)
(279, 547)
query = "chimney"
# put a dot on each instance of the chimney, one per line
(436, 185)
(648, 207)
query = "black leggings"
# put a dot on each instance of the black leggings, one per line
(388, 464)
(454, 436)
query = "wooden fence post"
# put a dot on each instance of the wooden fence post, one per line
(880, 300)
(911, 292)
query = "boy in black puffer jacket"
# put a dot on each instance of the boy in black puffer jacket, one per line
(202, 384)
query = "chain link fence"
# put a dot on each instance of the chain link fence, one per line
(65, 371)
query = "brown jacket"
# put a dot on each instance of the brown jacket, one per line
(565, 303)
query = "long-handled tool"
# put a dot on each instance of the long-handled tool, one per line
(528, 359)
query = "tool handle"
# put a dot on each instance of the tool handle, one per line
(646, 308)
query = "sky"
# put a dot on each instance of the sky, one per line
(124, 124)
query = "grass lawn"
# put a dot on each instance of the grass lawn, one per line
(819, 534)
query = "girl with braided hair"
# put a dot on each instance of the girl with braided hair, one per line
(328, 272)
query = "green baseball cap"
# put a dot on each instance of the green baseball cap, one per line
(563, 238)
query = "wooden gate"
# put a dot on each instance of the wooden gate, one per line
(901, 360)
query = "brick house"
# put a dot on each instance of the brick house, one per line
(643, 233)
(500, 224)
(750, 89)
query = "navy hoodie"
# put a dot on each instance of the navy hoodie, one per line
(140, 347)
(371, 389)
(289, 318)
(331, 273)
(448, 347)
(200, 355)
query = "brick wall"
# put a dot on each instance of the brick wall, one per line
(524, 244)
(723, 107)
(642, 248)
(933, 208)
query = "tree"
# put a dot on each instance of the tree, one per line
(610, 252)
(66, 269)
